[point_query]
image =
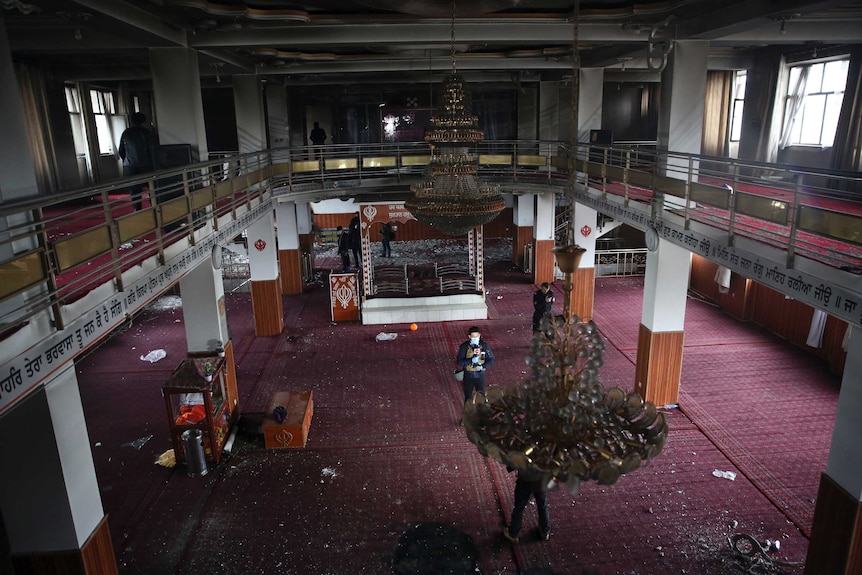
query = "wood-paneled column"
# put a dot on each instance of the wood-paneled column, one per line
(661, 335)
(523, 215)
(52, 508)
(584, 279)
(289, 255)
(835, 547)
(265, 284)
(543, 258)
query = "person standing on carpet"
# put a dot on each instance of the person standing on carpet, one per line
(387, 234)
(474, 357)
(355, 231)
(543, 302)
(343, 239)
(528, 484)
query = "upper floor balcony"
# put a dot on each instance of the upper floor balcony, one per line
(66, 253)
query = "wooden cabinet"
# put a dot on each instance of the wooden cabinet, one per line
(195, 401)
(292, 431)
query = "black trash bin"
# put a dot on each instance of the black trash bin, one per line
(193, 445)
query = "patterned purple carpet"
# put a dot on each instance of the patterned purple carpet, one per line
(388, 483)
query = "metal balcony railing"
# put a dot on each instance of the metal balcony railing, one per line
(57, 249)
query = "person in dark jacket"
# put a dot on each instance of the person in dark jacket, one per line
(387, 234)
(528, 485)
(343, 248)
(474, 357)
(543, 303)
(355, 231)
(137, 149)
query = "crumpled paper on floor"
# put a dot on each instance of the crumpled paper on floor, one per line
(383, 336)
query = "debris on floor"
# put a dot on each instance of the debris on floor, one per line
(154, 356)
(167, 459)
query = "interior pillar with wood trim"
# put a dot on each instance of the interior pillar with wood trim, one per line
(204, 313)
(835, 546)
(305, 230)
(661, 334)
(522, 234)
(265, 284)
(289, 255)
(584, 278)
(51, 506)
(543, 257)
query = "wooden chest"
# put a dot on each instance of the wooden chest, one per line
(294, 431)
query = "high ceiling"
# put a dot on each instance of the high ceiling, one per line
(403, 40)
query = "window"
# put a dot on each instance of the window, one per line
(103, 111)
(737, 105)
(76, 120)
(813, 101)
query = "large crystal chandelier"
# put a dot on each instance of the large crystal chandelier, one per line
(561, 423)
(452, 198)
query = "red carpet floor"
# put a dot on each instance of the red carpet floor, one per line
(388, 483)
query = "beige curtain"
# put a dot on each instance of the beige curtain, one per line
(716, 112)
(31, 84)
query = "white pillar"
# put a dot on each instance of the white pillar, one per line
(285, 216)
(204, 313)
(666, 287)
(276, 115)
(262, 253)
(844, 464)
(586, 233)
(304, 218)
(248, 106)
(17, 172)
(17, 175)
(590, 92)
(683, 93)
(543, 229)
(178, 102)
(523, 214)
(49, 495)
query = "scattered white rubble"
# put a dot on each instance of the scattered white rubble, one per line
(725, 474)
(154, 356)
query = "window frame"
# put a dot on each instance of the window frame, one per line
(824, 103)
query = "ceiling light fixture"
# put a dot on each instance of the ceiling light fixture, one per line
(561, 424)
(452, 198)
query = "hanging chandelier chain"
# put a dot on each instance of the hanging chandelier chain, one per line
(452, 32)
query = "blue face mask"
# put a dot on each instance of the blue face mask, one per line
(474, 340)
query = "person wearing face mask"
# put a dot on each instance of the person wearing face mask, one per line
(474, 357)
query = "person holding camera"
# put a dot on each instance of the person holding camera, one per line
(474, 357)
(543, 303)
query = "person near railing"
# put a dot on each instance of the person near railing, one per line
(137, 149)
